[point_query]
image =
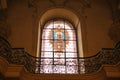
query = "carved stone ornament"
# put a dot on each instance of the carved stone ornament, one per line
(114, 32)
(58, 2)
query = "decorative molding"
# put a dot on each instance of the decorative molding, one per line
(59, 2)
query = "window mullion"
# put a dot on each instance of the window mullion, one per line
(53, 48)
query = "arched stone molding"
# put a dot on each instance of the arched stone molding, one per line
(68, 9)
(78, 22)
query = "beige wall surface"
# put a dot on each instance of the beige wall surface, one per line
(20, 21)
(98, 22)
(23, 21)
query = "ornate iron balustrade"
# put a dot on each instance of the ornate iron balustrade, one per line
(110, 56)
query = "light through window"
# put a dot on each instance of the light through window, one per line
(58, 48)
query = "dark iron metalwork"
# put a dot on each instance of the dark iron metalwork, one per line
(110, 56)
(17, 56)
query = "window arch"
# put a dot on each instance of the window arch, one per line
(58, 48)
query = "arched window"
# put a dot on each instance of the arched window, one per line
(59, 48)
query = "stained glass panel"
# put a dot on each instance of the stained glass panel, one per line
(59, 61)
(46, 46)
(59, 54)
(71, 46)
(46, 69)
(72, 69)
(70, 35)
(49, 25)
(68, 54)
(46, 54)
(46, 33)
(68, 25)
(47, 61)
(58, 24)
(59, 50)
(71, 62)
(59, 69)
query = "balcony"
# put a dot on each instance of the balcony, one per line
(16, 63)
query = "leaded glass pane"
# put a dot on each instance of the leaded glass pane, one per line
(68, 25)
(71, 47)
(46, 45)
(59, 24)
(59, 45)
(59, 61)
(47, 61)
(71, 55)
(59, 54)
(46, 54)
(72, 69)
(46, 69)
(46, 33)
(59, 69)
(70, 35)
(49, 25)
(71, 62)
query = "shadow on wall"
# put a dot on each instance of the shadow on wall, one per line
(114, 32)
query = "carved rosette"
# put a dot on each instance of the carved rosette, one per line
(114, 32)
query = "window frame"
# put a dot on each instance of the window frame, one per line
(75, 30)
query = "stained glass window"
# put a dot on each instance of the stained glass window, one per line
(58, 48)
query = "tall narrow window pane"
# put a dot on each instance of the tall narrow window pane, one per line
(59, 49)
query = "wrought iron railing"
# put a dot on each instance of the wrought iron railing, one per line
(110, 56)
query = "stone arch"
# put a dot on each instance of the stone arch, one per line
(78, 22)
